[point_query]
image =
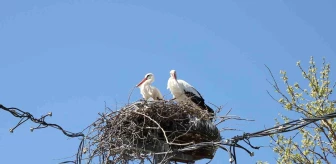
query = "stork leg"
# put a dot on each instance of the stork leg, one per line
(158, 98)
(144, 101)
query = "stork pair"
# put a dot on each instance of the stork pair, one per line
(180, 89)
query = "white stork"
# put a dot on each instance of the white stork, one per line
(182, 92)
(147, 90)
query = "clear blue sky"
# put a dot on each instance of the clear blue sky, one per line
(70, 56)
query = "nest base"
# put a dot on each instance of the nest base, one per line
(177, 132)
(184, 128)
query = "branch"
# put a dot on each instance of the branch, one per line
(25, 116)
(163, 131)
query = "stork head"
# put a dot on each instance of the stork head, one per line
(173, 74)
(149, 78)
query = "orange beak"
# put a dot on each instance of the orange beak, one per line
(143, 80)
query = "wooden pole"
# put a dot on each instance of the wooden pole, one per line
(160, 158)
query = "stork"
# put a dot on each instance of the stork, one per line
(182, 92)
(147, 90)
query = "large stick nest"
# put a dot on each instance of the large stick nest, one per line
(139, 130)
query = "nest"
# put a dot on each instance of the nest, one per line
(160, 128)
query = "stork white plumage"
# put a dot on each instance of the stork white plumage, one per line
(147, 90)
(184, 92)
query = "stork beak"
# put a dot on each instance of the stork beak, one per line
(143, 80)
(174, 76)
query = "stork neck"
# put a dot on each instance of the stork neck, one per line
(145, 84)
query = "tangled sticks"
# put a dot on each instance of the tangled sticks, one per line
(176, 132)
(160, 128)
(166, 130)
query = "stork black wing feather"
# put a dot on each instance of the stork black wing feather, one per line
(194, 98)
(197, 92)
(198, 101)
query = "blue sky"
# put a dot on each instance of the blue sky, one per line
(69, 57)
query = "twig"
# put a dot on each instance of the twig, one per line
(163, 131)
